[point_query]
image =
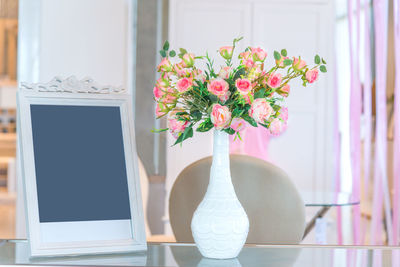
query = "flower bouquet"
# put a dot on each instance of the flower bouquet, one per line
(225, 99)
(204, 99)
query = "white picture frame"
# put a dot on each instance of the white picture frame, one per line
(57, 238)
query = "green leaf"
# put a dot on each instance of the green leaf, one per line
(205, 126)
(163, 53)
(260, 93)
(264, 125)
(275, 107)
(237, 40)
(179, 139)
(237, 112)
(238, 136)
(196, 115)
(172, 53)
(277, 56)
(317, 59)
(213, 98)
(182, 50)
(181, 113)
(284, 52)
(188, 133)
(323, 61)
(228, 102)
(180, 118)
(239, 73)
(322, 68)
(159, 130)
(250, 120)
(166, 46)
(287, 62)
(229, 131)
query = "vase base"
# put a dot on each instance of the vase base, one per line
(219, 258)
(208, 262)
(220, 255)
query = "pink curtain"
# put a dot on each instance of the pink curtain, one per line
(381, 190)
(367, 98)
(396, 150)
(336, 147)
(355, 114)
(255, 142)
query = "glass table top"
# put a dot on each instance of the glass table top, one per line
(319, 199)
(175, 254)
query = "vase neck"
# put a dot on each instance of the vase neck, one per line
(220, 185)
(220, 149)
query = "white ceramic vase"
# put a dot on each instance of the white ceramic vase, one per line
(220, 224)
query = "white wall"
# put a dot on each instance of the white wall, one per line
(74, 37)
(84, 38)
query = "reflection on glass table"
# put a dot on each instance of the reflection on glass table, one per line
(176, 254)
(329, 199)
(325, 200)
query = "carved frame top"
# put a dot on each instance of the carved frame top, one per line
(72, 85)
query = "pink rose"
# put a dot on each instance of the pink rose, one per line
(220, 116)
(298, 63)
(226, 52)
(169, 96)
(249, 63)
(165, 65)
(238, 124)
(168, 75)
(285, 90)
(243, 86)
(224, 72)
(158, 93)
(176, 126)
(312, 75)
(260, 110)
(188, 60)
(225, 97)
(177, 67)
(159, 110)
(245, 55)
(162, 83)
(284, 114)
(247, 98)
(276, 127)
(180, 71)
(258, 54)
(184, 84)
(218, 87)
(274, 80)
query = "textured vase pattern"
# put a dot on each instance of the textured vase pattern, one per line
(220, 224)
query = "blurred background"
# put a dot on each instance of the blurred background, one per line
(329, 147)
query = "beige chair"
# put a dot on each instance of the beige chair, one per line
(275, 209)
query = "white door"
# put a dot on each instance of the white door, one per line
(305, 150)
(304, 28)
